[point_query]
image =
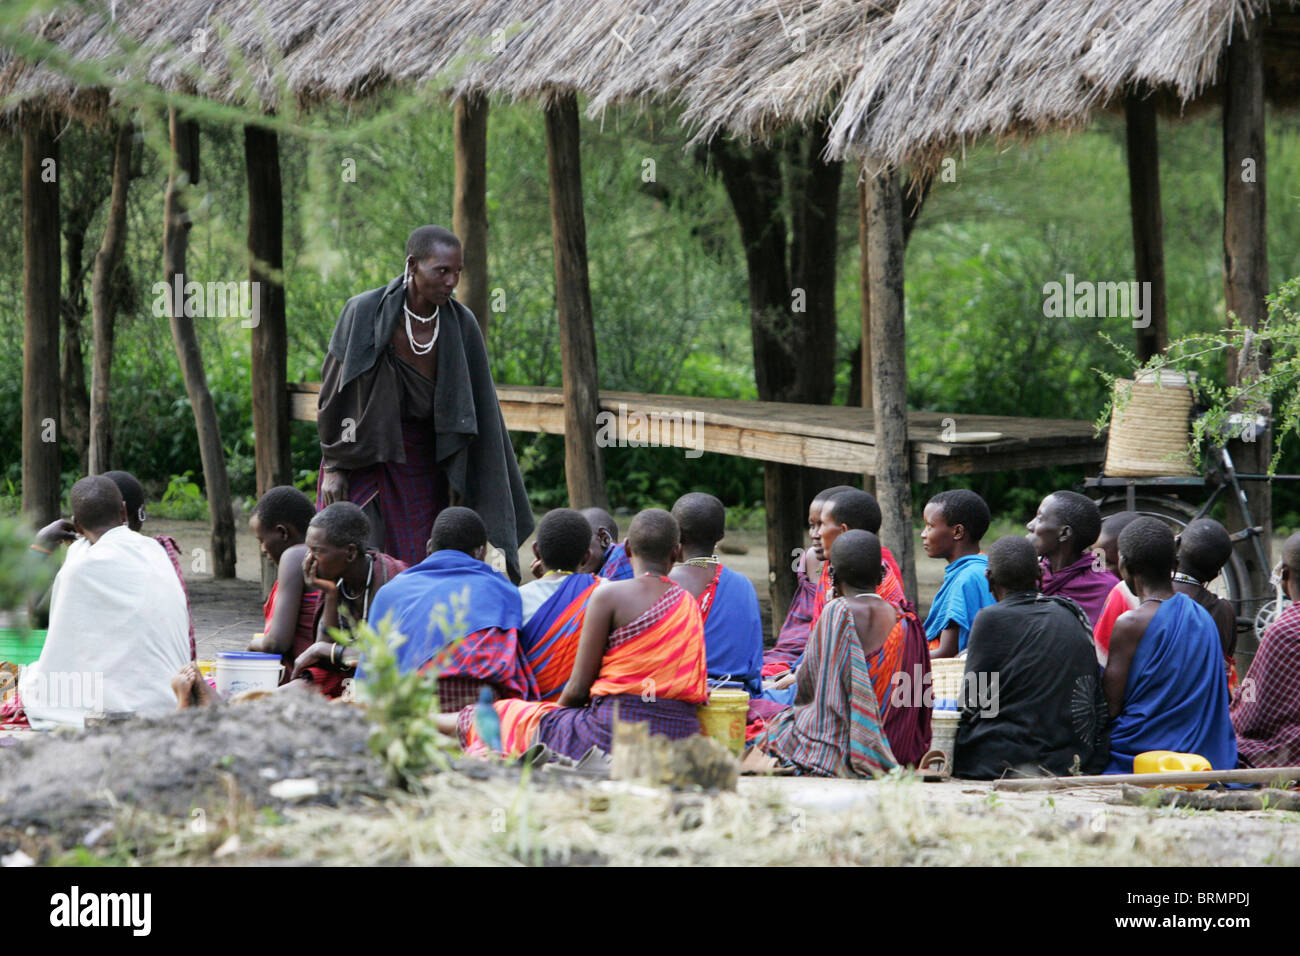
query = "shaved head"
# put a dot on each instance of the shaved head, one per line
(1013, 564)
(1147, 550)
(599, 518)
(1204, 547)
(855, 559)
(458, 529)
(653, 536)
(97, 504)
(701, 518)
(426, 240)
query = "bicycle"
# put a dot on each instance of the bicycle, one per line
(1157, 497)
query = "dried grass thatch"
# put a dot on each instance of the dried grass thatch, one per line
(230, 51)
(899, 80)
(945, 71)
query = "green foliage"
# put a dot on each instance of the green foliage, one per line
(183, 500)
(401, 706)
(23, 572)
(1273, 394)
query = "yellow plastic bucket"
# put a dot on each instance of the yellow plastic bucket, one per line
(1169, 761)
(723, 718)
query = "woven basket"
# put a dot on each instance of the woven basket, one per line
(946, 676)
(1149, 435)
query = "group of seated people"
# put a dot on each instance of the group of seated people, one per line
(1085, 642)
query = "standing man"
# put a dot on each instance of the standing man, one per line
(408, 415)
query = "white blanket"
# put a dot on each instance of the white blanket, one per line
(119, 632)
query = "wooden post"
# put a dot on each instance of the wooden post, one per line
(1245, 275)
(469, 207)
(270, 344)
(888, 359)
(42, 491)
(184, 172)
(103, 305)
(584, 470)
(864, 286)
(1143, 148)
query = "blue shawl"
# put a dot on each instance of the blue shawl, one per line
(1176, 697)
(413, 595)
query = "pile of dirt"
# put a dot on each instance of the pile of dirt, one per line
(192, 760)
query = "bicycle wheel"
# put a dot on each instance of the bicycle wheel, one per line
(1231, 584)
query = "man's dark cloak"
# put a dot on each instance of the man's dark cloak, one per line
(472, 446)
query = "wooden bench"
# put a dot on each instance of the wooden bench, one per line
(816, 436)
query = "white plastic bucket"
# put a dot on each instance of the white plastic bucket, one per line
(239, 671)
(943, 731)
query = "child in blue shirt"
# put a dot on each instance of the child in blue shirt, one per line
(955, 521)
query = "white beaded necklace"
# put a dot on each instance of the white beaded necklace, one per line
(416, 347)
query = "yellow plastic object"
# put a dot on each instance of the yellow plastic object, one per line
(723, 718)
(207, 668)
(1169, 761)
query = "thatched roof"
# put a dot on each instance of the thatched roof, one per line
(945, 71)
(909, 79)
(263, 52)
(899, 79)
(231, 51)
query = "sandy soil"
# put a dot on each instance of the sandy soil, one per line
(206, 786)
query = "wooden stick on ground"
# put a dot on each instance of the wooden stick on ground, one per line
(1278, 776)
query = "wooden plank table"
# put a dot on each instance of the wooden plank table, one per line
(816, 436)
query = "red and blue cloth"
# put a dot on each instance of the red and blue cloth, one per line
(473, 596)
(549, 641)
(617, 566)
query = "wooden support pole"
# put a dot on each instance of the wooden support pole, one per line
(864, 287)
(469, 218)
(1245, 275)
(41, 271)
(888, 360)
(184, 172)
(584, 470)
(103, 304)
(270, 335)
(1143, 150)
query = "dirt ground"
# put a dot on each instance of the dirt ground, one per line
(290, 781)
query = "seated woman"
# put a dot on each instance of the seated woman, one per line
(640, 659)
(118, 621)
(554, 605)
(347, 574)
(834, 727)
(1266, 709)
(1164, 681)
(1046, 712)
(280, 522)
(486, 654)
(60, 532)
